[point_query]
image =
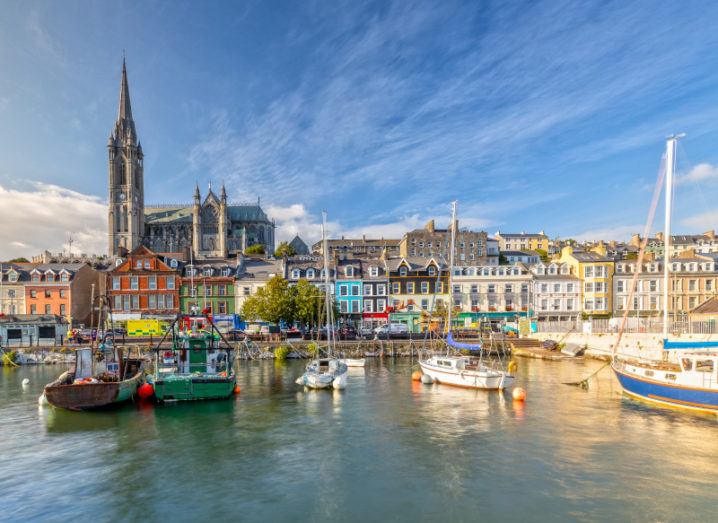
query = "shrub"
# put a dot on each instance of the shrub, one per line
(9, 358)
(312, 349)
(281, 352)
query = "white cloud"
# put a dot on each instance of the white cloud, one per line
(703, 221)
(699, 173)
(44, 217)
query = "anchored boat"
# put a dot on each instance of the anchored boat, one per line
(463, 371)
(103, 375)
(692, 383)
(199, 365)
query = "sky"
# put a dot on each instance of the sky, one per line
(532, 115)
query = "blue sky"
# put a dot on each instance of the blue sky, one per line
(534, 115)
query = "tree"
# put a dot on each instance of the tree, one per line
(257, 248)
(273, 303)
(19, 260)
(308, 301)
(543, 255)
(284, 249)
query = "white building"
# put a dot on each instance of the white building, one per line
(556, 294)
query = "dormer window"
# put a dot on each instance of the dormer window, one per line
(49, 277)
(147, 264)
(349, 271)
(226, 271)
(374, 271)
(12, 276)
(173, 263)
(310, 273)
(296, 273)
(65, 277)
(403, 271)
(207, 271)
(431, 271)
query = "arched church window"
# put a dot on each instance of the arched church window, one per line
(123, 173)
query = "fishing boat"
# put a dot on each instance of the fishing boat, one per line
(458, 370)
(323, 373)
(692, 383)
(199, 364)
(103, 376)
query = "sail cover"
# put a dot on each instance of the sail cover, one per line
(458, 345)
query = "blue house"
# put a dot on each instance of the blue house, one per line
(348, 291)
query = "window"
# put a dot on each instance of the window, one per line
(599, 286)
(11, 293)
(349, 271)
(544, 304)
(410, 287)
(368, 306)
(48, 294)
(544, 287)
(380, 305)
(226, 271)
(355, 306)
(692, 285)
(50, 277)
(170, 282)
(246, 291)
(343, 290)
(619, 286)
(48, 309)
(343, 307)
(588, 305)
(456, 289)
(588, 287)
(152, 283)
(222, 289)
(12, 276)
(374, 271)
(117, 305)
(160, 301)
(65, 277)
(208, 290)
(135, 302)
(367, 289)
(63, 293)
(295, 274)
(425, 287)
(508, 288)
(134, 283)
(207, 271)
(381, 290)
(170, 301)
(709, 285)
(569, 287)
(402, 271)
(556, 287)
(355, 290)
(491, 288)
(222, 307)
(115, 283)
(152, 301)
(33, 309)
(588, 272)
(569, 304)
(35, 277)
(139, 264)
(310, 273)
(395, 288)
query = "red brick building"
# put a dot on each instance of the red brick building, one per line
(145, 284)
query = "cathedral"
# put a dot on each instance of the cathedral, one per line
(209, 227)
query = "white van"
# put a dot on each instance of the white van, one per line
(392, 329)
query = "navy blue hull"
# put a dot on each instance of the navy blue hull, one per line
(677, 396)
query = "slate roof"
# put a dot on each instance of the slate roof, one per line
(707, 307)
(183, 214)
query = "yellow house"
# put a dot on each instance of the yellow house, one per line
(522, 241)
(595, 271)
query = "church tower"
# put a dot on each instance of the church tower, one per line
(126, 204)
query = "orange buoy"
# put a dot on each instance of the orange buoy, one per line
(519, 394)
(416, 375)
(145, 391)
(237, 390)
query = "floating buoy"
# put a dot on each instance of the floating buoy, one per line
(519, 394)
(416, 375)
(513, 366)
(145, 391)
(25, 382)
(426, 379)
(42, 400)
(237, 390)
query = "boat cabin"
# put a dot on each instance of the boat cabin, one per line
(700, 368)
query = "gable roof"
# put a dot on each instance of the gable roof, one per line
(707, 307)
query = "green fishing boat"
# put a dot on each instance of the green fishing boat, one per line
(198, 365)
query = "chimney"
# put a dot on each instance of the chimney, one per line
(430, 226)
(635, 240)
(659, 236)
(710, 234)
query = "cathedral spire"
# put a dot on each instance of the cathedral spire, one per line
(125, 111)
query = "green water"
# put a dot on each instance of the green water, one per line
(385, 449)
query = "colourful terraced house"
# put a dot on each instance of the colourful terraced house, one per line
(595, 271)
(208, 286)
(348, 290)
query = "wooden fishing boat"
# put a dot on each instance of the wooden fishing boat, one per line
(197, 367)
(102, 385)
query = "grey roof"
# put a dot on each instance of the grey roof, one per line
(415, 263)
(72, 267)
(32, 318)
(586, 256)
(183, 214)
(259, 268)
(519, 253)
(299, 246)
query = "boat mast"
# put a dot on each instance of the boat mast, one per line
(327, 300)
(451, 264)
(670, 169)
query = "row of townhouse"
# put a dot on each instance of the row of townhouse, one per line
(49, 289)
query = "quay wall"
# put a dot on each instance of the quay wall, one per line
(636, 345)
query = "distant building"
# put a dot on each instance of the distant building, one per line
(595, 271)
(253, 274)
(13, 278)
(208, 285)
(299, 246)
(430, 242)
(32, 329)
(353, 247)
(522, 241)
(556, 294)
(62, 289)
(526, 257)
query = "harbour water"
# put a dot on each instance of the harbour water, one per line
(385, 449)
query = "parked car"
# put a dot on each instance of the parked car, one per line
(235, 335)
(392, 330)
(347, 332)
(366, 332)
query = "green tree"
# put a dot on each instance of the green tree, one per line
(543, 255)
(273, 303)
(308, 301)
(284, 249)
(257, 248)
(19, 260)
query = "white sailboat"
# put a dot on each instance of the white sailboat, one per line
(322, 373)
(470, 372)
(692, 383)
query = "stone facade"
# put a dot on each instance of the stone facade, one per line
(429, 242)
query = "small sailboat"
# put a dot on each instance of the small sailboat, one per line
(322, 373)
(354, 362)
(692, 383)
(103, 375)
(472, 372)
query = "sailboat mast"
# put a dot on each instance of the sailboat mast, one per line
(451, 264)
(670, 168)
(327, 301)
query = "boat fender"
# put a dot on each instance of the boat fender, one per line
(236, 389)
(25, 382)
(416, 375)
(519, 394)
(426, 379)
